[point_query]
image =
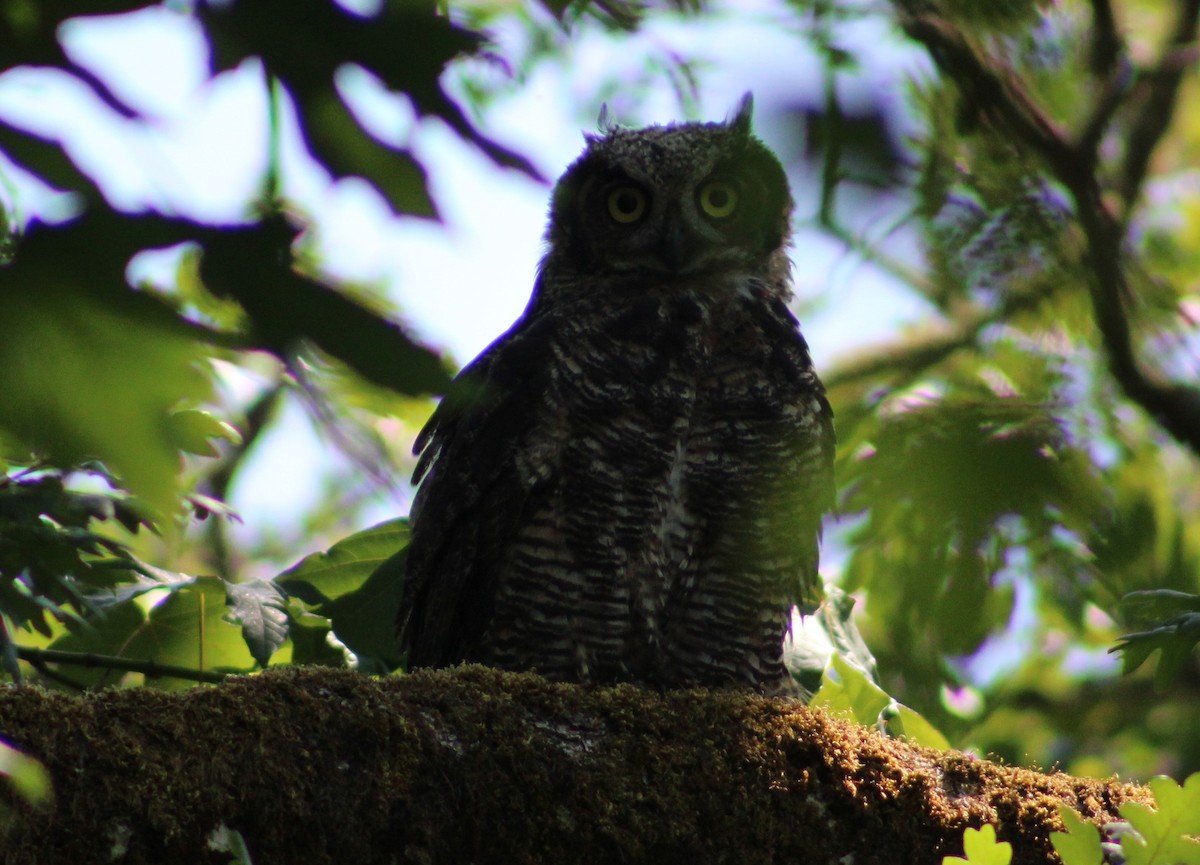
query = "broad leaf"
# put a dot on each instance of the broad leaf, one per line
(1080, 844)
(188, 629)
(260, 607)
(365, 619)
(192, 431)
(848, 692)
(982, 848)
(1175, 638)
(1164, 830)
(344, 567)
(915, 727)
(80, 378)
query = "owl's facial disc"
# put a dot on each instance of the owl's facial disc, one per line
(681, 235)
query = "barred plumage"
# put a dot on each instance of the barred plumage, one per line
(628, 484)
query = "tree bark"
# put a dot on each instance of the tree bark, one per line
(477, 766)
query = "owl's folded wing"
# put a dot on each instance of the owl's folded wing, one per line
(471, 498)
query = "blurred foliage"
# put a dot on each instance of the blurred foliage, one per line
(27, 777)
(1008, 508)
(50, 554)
(990, 456)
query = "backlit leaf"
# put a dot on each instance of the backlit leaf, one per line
(981, 848)
(346, 565)
(1164, 830)
(1080, 843)
(260, 607)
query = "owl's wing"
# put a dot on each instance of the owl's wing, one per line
(807, 490)
(816, 477)
(471, 497)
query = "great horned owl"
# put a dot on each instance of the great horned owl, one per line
(628, 484)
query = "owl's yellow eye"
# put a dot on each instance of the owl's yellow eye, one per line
(718, 198)
(626, 204)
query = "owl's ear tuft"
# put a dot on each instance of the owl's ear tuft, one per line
(605, 122)
(739, 118)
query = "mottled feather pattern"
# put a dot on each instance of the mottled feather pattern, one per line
(628, 485)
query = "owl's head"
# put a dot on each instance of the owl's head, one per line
(672, 201)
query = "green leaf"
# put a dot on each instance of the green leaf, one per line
(346, 566)
(26, 774)
(80, 378)
(187, 629)
(365, 619)
(260, 607)
(45, 158)
(231, 842)
(190, 629)
(982, 848)
(145, 578)
(1174, 638)
(253, 266)
(356, 585)
(915, 727)
(849, 692)
(1163, 829)
(1155, 604)
(1080, 843)
(831, 629)
(346, 148)
(309, 635)
(106, 634)
(192, 431)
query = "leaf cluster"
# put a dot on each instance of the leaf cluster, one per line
(108, 378)
(121, 614)
(73, 385)
(1020, 461)
(51, 555)
(1165, 834)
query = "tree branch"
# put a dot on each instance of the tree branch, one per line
(1000, 100)
(1106, 41)
(151, 669)
(474, 765)
(916, 354)
(1157, 105)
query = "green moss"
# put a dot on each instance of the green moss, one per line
(475, 765)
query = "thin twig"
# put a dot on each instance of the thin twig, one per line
(48, 672)
(150, 669)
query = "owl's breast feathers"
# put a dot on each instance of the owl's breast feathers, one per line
(604, 476)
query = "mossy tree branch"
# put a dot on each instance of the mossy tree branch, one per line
(473, 765)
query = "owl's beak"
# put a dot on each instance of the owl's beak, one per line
(677, 247)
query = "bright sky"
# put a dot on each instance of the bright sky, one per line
(461, 283)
